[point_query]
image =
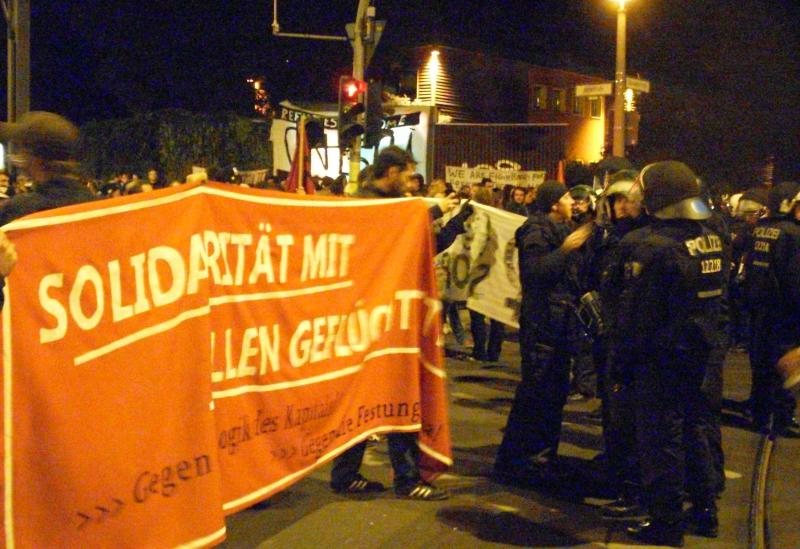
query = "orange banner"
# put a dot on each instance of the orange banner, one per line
(174, 353)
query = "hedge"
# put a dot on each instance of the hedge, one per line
(172, 141)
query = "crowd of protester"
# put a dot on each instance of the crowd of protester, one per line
(631, 292)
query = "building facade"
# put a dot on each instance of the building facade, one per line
(509, 110)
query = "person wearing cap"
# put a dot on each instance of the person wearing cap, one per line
(668, 319)
(583, 209)
(44, 149)
(549, 265)
(772, 272)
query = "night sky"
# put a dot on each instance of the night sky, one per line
(95, 60)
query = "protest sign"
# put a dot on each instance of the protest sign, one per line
(171, 357)
(460, 176)
(482, 267)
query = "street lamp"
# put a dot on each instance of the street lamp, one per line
(618, 145)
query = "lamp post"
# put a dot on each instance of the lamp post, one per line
(618, 145)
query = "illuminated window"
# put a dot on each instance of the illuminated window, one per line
(595, 107)
(558, 100)
(539, 98)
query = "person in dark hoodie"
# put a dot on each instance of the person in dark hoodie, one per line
(387, 179)
(549, 271)
(44, 150)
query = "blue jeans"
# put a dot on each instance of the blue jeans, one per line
(450, 315)
(486, 349)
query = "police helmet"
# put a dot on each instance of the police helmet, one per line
(622, 183)
(672, 191)
(783, 197)
(752, 201)
(581, 192)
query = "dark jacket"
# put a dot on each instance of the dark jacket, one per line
(550, 281)
(671, 308)
(54, 193)
(518, 209)
(772, 277)
(446, 236)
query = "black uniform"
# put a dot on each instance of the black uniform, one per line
(772, 286)
(550, 290)
(618, 411)
(670, 314)
(741, 234)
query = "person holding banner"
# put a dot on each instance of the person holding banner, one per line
(45, 151)
(486, 346)
(549, 268)
(45, 147)
(388, 179)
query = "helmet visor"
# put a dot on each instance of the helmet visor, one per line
(689, 208)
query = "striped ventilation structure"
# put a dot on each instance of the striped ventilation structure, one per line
(448, 100)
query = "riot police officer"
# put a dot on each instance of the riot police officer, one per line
(619, 213)
(669, 317)
(772, 271)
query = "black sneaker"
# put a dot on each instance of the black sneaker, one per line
(420, 490)
(360, 485)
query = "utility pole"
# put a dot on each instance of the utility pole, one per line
(358, 74)
(618, 145)
(18, 33)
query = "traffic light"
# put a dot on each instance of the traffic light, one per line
(373, 131)
(351, 107)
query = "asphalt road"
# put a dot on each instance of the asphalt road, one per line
(483, 514)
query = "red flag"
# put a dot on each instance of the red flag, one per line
(301, 163)
(560, 173)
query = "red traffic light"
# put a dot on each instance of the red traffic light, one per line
(352, 88)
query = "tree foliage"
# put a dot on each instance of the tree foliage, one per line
(172, 141)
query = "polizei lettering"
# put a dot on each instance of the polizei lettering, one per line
(705, 244)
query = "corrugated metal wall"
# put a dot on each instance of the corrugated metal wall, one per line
(534, 147)
(447, 97)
